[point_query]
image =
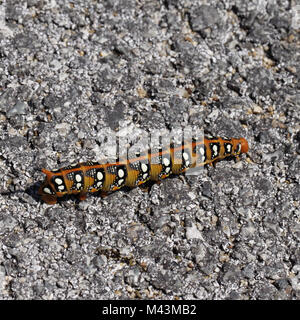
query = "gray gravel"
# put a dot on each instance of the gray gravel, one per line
(70, 69)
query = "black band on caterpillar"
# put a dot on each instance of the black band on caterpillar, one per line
(158, 164)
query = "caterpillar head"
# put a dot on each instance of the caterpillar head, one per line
(240, 146)
(244, 145)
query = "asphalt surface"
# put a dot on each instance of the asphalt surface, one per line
(72, 73)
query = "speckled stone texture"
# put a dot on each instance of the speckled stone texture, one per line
(69, 70)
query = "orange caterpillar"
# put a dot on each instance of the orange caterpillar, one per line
(153, 165)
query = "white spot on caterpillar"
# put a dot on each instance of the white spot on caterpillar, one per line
(168, 169)
(78, 185)
(120, 182)
(61, 187)
(99, 184)
(145, 175)
(185, 156)
(144, 167)
(58, 181)
(228, 148)
(78, 177)
(166, 162)
(99, 175)
(202, 151)
(121, 173)
(215, 150)
(47, 190)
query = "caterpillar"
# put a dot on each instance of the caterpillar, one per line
(155, 164)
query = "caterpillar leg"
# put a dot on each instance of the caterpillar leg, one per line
(49, 199)
(213, 164)
(144, 188)
(103, 194)
(82, 196)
